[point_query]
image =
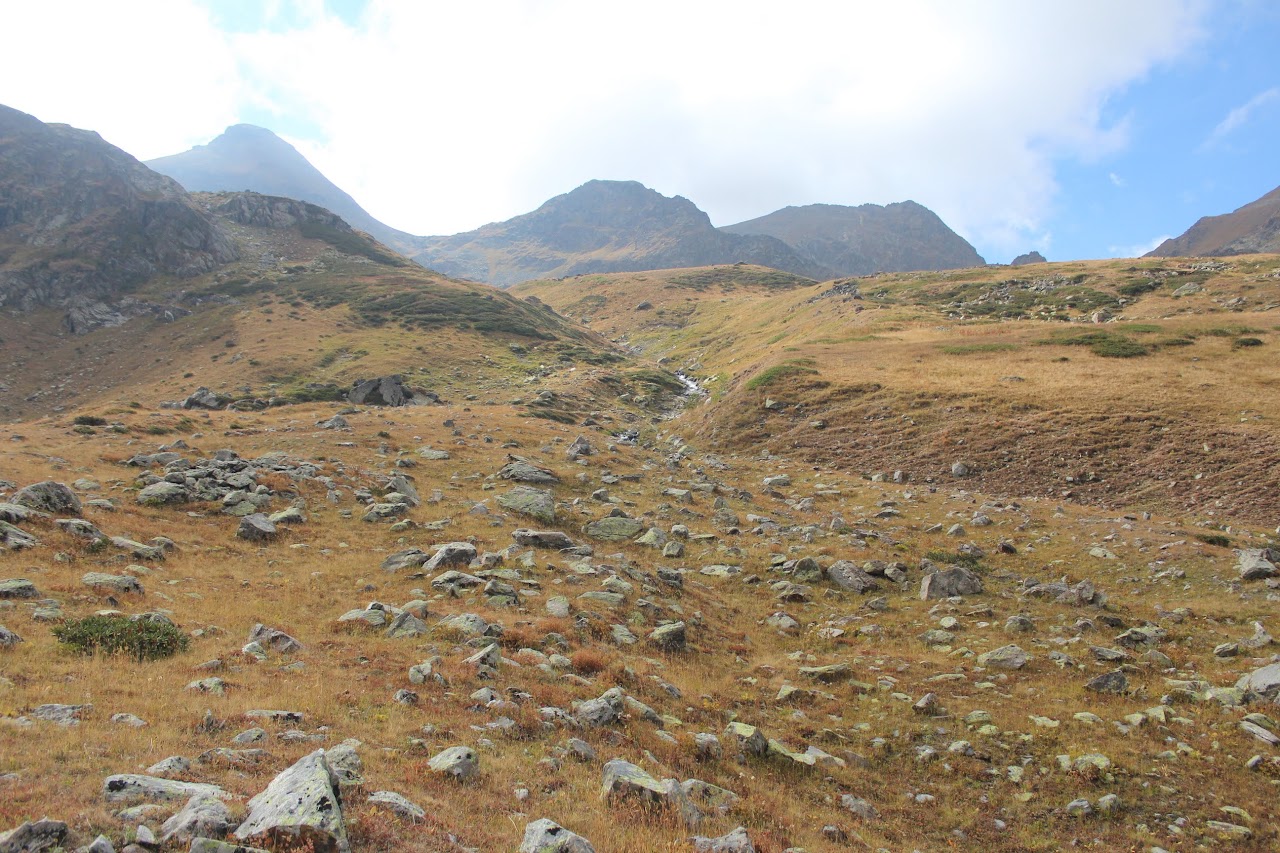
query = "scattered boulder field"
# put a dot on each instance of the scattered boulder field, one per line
(290, 638)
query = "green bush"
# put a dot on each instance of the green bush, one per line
(1105, 344)
(969, 349)
(955, 558)
(1240, 343)
(109, 635)
(779, 372)
(89, 420)
(1215, 539)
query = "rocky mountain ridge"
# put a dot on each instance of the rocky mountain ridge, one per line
(604, 226)
(82, 220)
(247, 157)
(1252, 229)
(866, 239)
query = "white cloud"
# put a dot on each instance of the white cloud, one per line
(1240, 115)
(439, 117)
(1137, 250)
(1115, 179)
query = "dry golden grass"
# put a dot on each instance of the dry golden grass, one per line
(735, 664)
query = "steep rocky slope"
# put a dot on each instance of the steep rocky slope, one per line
(603, 226)
(246, 157)
(866, 239)
(1250, 229)
(82, 222)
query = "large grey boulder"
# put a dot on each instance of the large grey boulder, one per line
(1257, 563)
(301, 806)
(15, 538)
(202, 816)
(451, 554)
(256, 527)
(1005, 657)
(552, 539)
(50, 497)
(735, 842)
(624, 779)
(8, 639)
(398, 805)
(131, 787)
(409, 558)
(213, 845)
(60, 714)
(522, 471)
(204, 398)
(614, 528)
(459, 762)
(34, 837)
(163, 493)
(949, 583)
(669, 637)
(115, 583)
(849, 577)
(18, 588)
(383, 391)
(274, 639)
(534, 503)
(1265, 681)
(547, 836)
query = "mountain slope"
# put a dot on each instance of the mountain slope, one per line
(604, 226)
(866, 239)
(1254, 228)
(246, 157)
(82, 220)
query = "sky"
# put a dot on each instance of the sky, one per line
(1077, 128)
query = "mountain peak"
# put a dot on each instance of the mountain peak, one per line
(246, 156)
(868, 238)
(603, 226)
(1246, 230)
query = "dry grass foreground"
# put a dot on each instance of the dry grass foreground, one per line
(983, 770)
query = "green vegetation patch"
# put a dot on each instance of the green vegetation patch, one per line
(971, 349)
(350, 243)
(1215, 539)
(787, 370)
(730, 277)
(955, 558)
(657, 380)
(1105, 344)
(140, 639)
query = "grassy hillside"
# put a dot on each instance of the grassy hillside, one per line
(1167, 402)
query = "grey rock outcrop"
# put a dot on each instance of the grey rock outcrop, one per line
(547, 836)
(948, 583)
(131, 788)
(34, 837)
(202, 816)
(301, 806)
(49, 496)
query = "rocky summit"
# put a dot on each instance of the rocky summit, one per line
(343, 554)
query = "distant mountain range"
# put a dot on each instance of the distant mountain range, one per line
(866, 239)
(246, 157)
(602, 226)
(1250, 229)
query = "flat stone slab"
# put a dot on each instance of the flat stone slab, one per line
(131, 788)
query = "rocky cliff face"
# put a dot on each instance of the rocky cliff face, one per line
(866, 239)
(82, 222)
(245, 157)
(603, 226)
(1254, 228)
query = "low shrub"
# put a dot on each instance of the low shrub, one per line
(141, 639)
(89, 420)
